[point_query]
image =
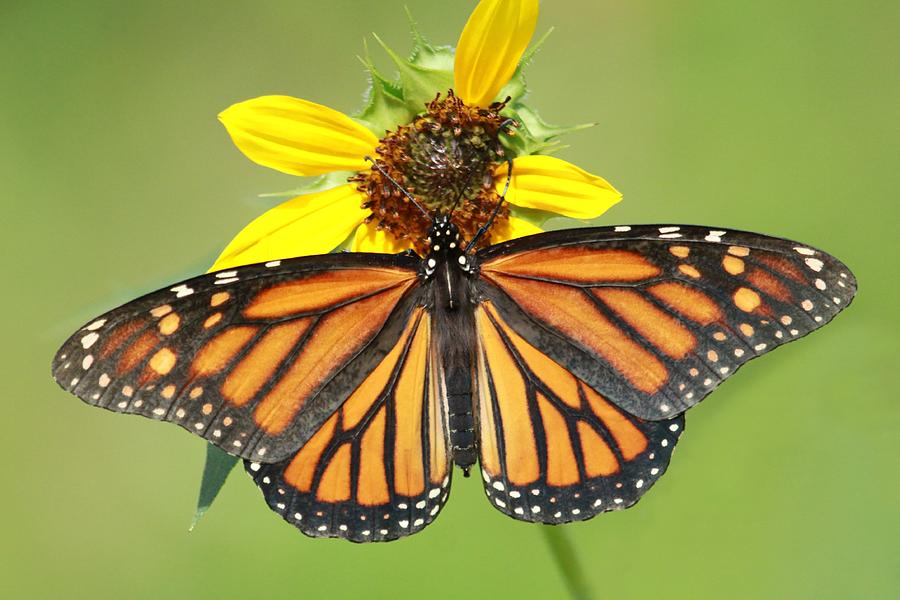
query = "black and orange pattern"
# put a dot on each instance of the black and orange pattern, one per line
(253, 359)
(552, 449)
(378, 468)
(351, 383)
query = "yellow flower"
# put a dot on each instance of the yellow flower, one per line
(306, 139)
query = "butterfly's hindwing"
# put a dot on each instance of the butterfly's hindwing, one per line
(379, 467)
(253, 359)
(655, 317)
(552, 449)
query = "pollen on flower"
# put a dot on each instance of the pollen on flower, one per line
(446, 159)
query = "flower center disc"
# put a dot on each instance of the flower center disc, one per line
(446, 159)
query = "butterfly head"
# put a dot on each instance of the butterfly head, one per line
(444, 245)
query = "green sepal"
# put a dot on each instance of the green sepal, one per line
(424, 54)
(534, 135)
(420, 83)
(311, 185)
(385, 107)
(215, 472)
(517, 88)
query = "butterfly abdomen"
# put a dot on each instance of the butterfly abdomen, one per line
(454, 335)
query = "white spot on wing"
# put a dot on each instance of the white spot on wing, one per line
(89, 340)
(622, 228)
(814, 263)
(182, 290)
(96, 325)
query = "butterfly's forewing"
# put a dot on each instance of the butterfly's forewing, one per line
(379, 467)
(655, 317)
(253, 359)
(552, 449)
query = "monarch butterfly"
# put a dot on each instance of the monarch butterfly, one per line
(561, 363)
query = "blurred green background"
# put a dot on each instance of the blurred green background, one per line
(116, 178)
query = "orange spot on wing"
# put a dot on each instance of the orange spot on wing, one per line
(575, 263)
(260, 364)
(161, 311)
(372, 487)
(335, 483)
(217, 352)
(137, 351)
(409, 457)
(570, 312)
(169, 324)
(219, 298)
(733, 265)
(335, 339)
(300, 472)
(518, 439)
(769, 284)
(659, 328)
(323, 291)
(680, 251)
(690, 271)
(212, 320)
(738, 251)
(629, 438)
(599, 459)
(746, 299)
(692, 303)
(562, 468)
(163, 361)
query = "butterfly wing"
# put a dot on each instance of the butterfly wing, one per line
(655, 317)
(552, 449)
(252, 359)
(379, 467)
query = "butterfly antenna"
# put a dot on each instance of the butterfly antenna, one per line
(487, 225)
(400, 187)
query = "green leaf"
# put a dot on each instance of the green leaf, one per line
(218, 465)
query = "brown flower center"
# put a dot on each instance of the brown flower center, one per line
(446, 160)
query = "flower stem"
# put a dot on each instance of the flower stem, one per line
(563, 552)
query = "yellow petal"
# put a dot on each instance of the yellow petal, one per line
(298, 137)
(310, 224)
(553, 185)
(369, 238)
(513, 228)
(489, 49)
